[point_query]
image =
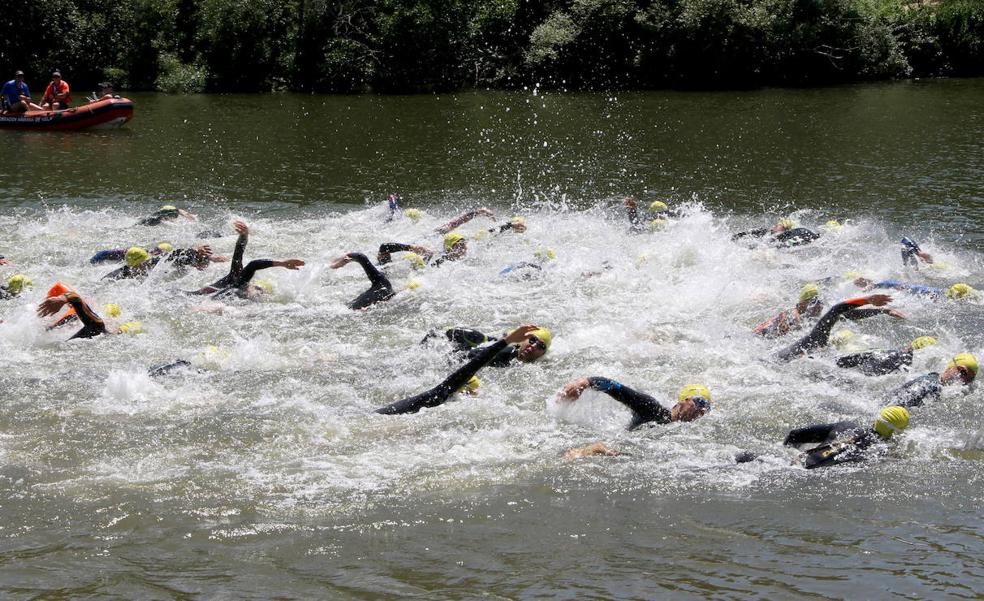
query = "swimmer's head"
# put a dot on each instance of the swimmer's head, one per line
(265, 285)
(841, 339)
(415, 260)
(535, 345)
(657, 224)
(112, 309)
(787, 224)
(833, 224)
(809, 292)
(962, 367)
(412, 285)
(922, 342)
(693, 401)
(891, 420)
(471, 386)
(165, 247)
(545, 254)
(58, 289)
(136, 256)
(959, 291)
(413, 214)
(168, 208)
(131, 327)
(454, 244)
(658, 206)
(17, 282)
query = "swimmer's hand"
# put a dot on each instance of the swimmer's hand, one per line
(341, 261)
(572, 390)
(630, 202)
(218, 258)
(597, 448)
(241, 228)
(519, 334)
(517, 226)
(421, 250)
(895, 313)
(50, 306)
(187, 215)
(293, 264)
(863, 282)
(879, 300)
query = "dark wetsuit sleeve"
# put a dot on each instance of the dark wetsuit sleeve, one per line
(644, 407)
(440, 393)
(250, 270)
(465, 339)
(237, 255)
(819, 336)
(388, 248)
(105, 256)
(914, 392)
(502, 359)
(859, 314)
(757, 233)
(795, 237)
(380, 290)
(817, 433)
(876, 363)
(5, 294)
(92, 324)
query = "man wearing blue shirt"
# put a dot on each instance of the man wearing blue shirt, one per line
(16, 95)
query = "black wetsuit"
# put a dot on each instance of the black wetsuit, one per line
(240, 285)
(5, 293)
(92, 324)
(914, 392)
(819, 336)
(168, 368)
(235, 269)
(443, 391)
(644, 407)
(796, 236)
(380, 289)
(180, 258)
(840, 442)
(467, 343)
(159, 217)
(877, 363)
(386, 250)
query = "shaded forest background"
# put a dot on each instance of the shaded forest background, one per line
(397, 46)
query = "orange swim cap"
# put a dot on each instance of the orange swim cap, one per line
(59, 288)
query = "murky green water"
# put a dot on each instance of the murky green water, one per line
(267, 475)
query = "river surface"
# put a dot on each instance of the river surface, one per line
(263, 472)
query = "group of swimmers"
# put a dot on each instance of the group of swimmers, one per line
(830, 443)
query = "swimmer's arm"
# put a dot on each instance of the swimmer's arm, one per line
(757, 233)
(645, 407)
(820, 335)
(376, 277)
(515, 225)
(859, 314)
(809, 434)
(465, 339)
(237, 256)
(85, 313)
(384, 255)
(855, 359)
(464, 218)
(632, 207)
(258, 264)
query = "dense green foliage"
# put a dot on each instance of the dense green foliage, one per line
(423, 45)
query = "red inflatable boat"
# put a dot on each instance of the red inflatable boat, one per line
(103, 114)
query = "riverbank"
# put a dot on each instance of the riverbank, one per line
(442, 45)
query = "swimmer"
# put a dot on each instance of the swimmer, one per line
(881, 362)
(166, 213)
(819, 336)
(380, 288)
(693, 401)
(4, 260)
(236, 265)
(958, 291)
(540, 258)
(528, 350)
(14, 286)
(241, 286)
(657, 214)
(783, 234)
(458, 379)
(118, 255)
(960, 371)
(464, 218)
(92, 324)
(455, 246)
(140, 262)
(811, 305)
(912, 254)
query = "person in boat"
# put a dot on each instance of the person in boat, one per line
(819, 336)
(959, 291)
(104, 91)
(16, 95)
(380, 288)
(881, 362)
(56, 95)
(809, 306)
(693, 402)
(14, 286)
(844, 441)
(166, 213)
(960, 371)
(783, 234)
(458, 379)
(469, 343)
(92, 324)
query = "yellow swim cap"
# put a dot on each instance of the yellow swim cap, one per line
(112, 309)
(841, 338)
(480, 234)
(136, 256)
(165, 246)
(168, 208)
(518, 219)
(545, 254)
(852, 275)
(788, 223)
(657, 206)
(472, 385)
(891, 420)
(412, 285)
(451, 239)
(958, 291)
(966, 361)
(939, 265)
(413, 214)
(17, 282)
(416, 261)
(657, 224)
(694, 390)
(923, 342)
(131, 327)
(834, 224)
(544, 335)
(265, 285)
(809, 291)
